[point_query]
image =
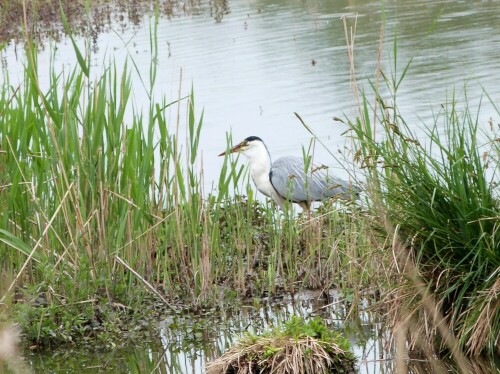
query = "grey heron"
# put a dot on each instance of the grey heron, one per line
(286, 178)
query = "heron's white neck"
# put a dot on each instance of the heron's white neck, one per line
(260, 167)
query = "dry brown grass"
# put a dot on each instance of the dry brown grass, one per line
(484, 322)
(283, 355)
(423, 298)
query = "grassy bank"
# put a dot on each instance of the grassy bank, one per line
(104, 211)
(435, 198)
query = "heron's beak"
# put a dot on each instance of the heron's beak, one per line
(236, 148)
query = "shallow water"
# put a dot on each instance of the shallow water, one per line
(187, 341)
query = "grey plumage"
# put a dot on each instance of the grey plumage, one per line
(291, 181)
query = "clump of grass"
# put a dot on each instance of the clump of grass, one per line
(296, 347)
(437, 202)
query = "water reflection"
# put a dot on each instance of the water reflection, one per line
(45, 22)
(188, 340)
(206, 337)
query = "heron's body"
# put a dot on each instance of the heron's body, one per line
(287, 177)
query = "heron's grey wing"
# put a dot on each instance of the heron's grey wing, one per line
(293, 183)
(287, 177)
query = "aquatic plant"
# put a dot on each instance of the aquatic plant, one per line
(295, 347)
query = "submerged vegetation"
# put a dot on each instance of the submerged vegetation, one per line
(91, 17)
(104, 210)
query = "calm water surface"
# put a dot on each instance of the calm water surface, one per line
(262, 60)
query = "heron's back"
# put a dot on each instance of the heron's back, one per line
(292, 182)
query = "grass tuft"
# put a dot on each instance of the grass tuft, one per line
(435, 197)
(295, 347)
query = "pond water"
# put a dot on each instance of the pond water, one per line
(187, 341)
(252, 65)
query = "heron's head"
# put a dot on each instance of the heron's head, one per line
(251, 147)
